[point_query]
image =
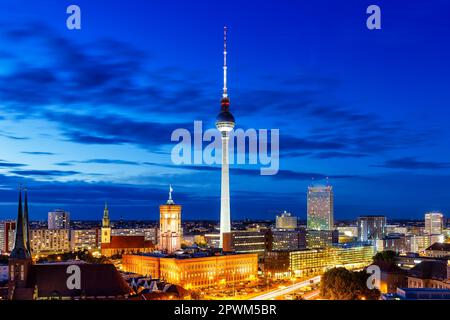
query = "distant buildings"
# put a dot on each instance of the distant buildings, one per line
(401, 243)
(240, 241)
(418, 294)
(29, 281)
(194, 271)
(430, 274)
(58, 219)
(438, 250)
(285, 240)
(371, 228)
(434, 223)
(320, 208)
(299, 263)
(286, 221)
(321, 238)
(49, 240)
(7, 230)
(170, 225)
(117, 245)
(82, 239)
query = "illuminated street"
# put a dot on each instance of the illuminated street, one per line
(283, 291)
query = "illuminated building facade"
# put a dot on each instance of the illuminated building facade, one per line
(299, 263)
(371, 228)
(7, 231)
(106, 226)
(49, 241)
(286, 221)
(58, 219)
(430, 274)
(288, 239)
(213, 240)
(170, 225)
(247, 241)
(434, 223)
(117, 245)
(320, 207)
(148, 233)
(194, 272)
(81, 239)
(321, 238)
(438, 250)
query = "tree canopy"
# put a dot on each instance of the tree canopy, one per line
(342, 284)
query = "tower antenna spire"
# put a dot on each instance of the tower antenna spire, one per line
(225, 94)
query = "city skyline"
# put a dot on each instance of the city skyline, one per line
(82, 126)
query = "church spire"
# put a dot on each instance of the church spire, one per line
(26, 221)
(20, 250)
(106, 222)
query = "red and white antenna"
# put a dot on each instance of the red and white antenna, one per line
(225, 94)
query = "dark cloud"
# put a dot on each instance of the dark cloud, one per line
(412, 163)
(38, 153)
(44, 173)
(89, 79)
(255, 172)
(5, 164)
(12, 136)
(85, 75)
(336, 154)
(100, 161)
(115, 130)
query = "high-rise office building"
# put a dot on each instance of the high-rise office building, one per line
(320, 208)
(225, 123)
(170, 225)
(434, 223)
(286, 221)
(371, 228)
(58, 219)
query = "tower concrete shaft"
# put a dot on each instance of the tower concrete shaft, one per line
(225, 223)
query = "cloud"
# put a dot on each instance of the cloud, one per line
(38, 153)
(99, 98)
(12, 136)
(411, 163)
(337, 154)
(4, 164)
(115, 130)
(282, 174)
(44, 173)
(100, 161)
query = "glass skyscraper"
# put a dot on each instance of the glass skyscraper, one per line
(320, 208)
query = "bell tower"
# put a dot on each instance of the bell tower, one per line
(106, 226)
(170, 225)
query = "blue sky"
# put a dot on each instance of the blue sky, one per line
(86, 115)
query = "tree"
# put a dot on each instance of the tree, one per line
(342, 284)
(385, 256)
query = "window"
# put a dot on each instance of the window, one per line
(22, 272)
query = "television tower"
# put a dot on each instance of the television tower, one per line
(225, 123)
